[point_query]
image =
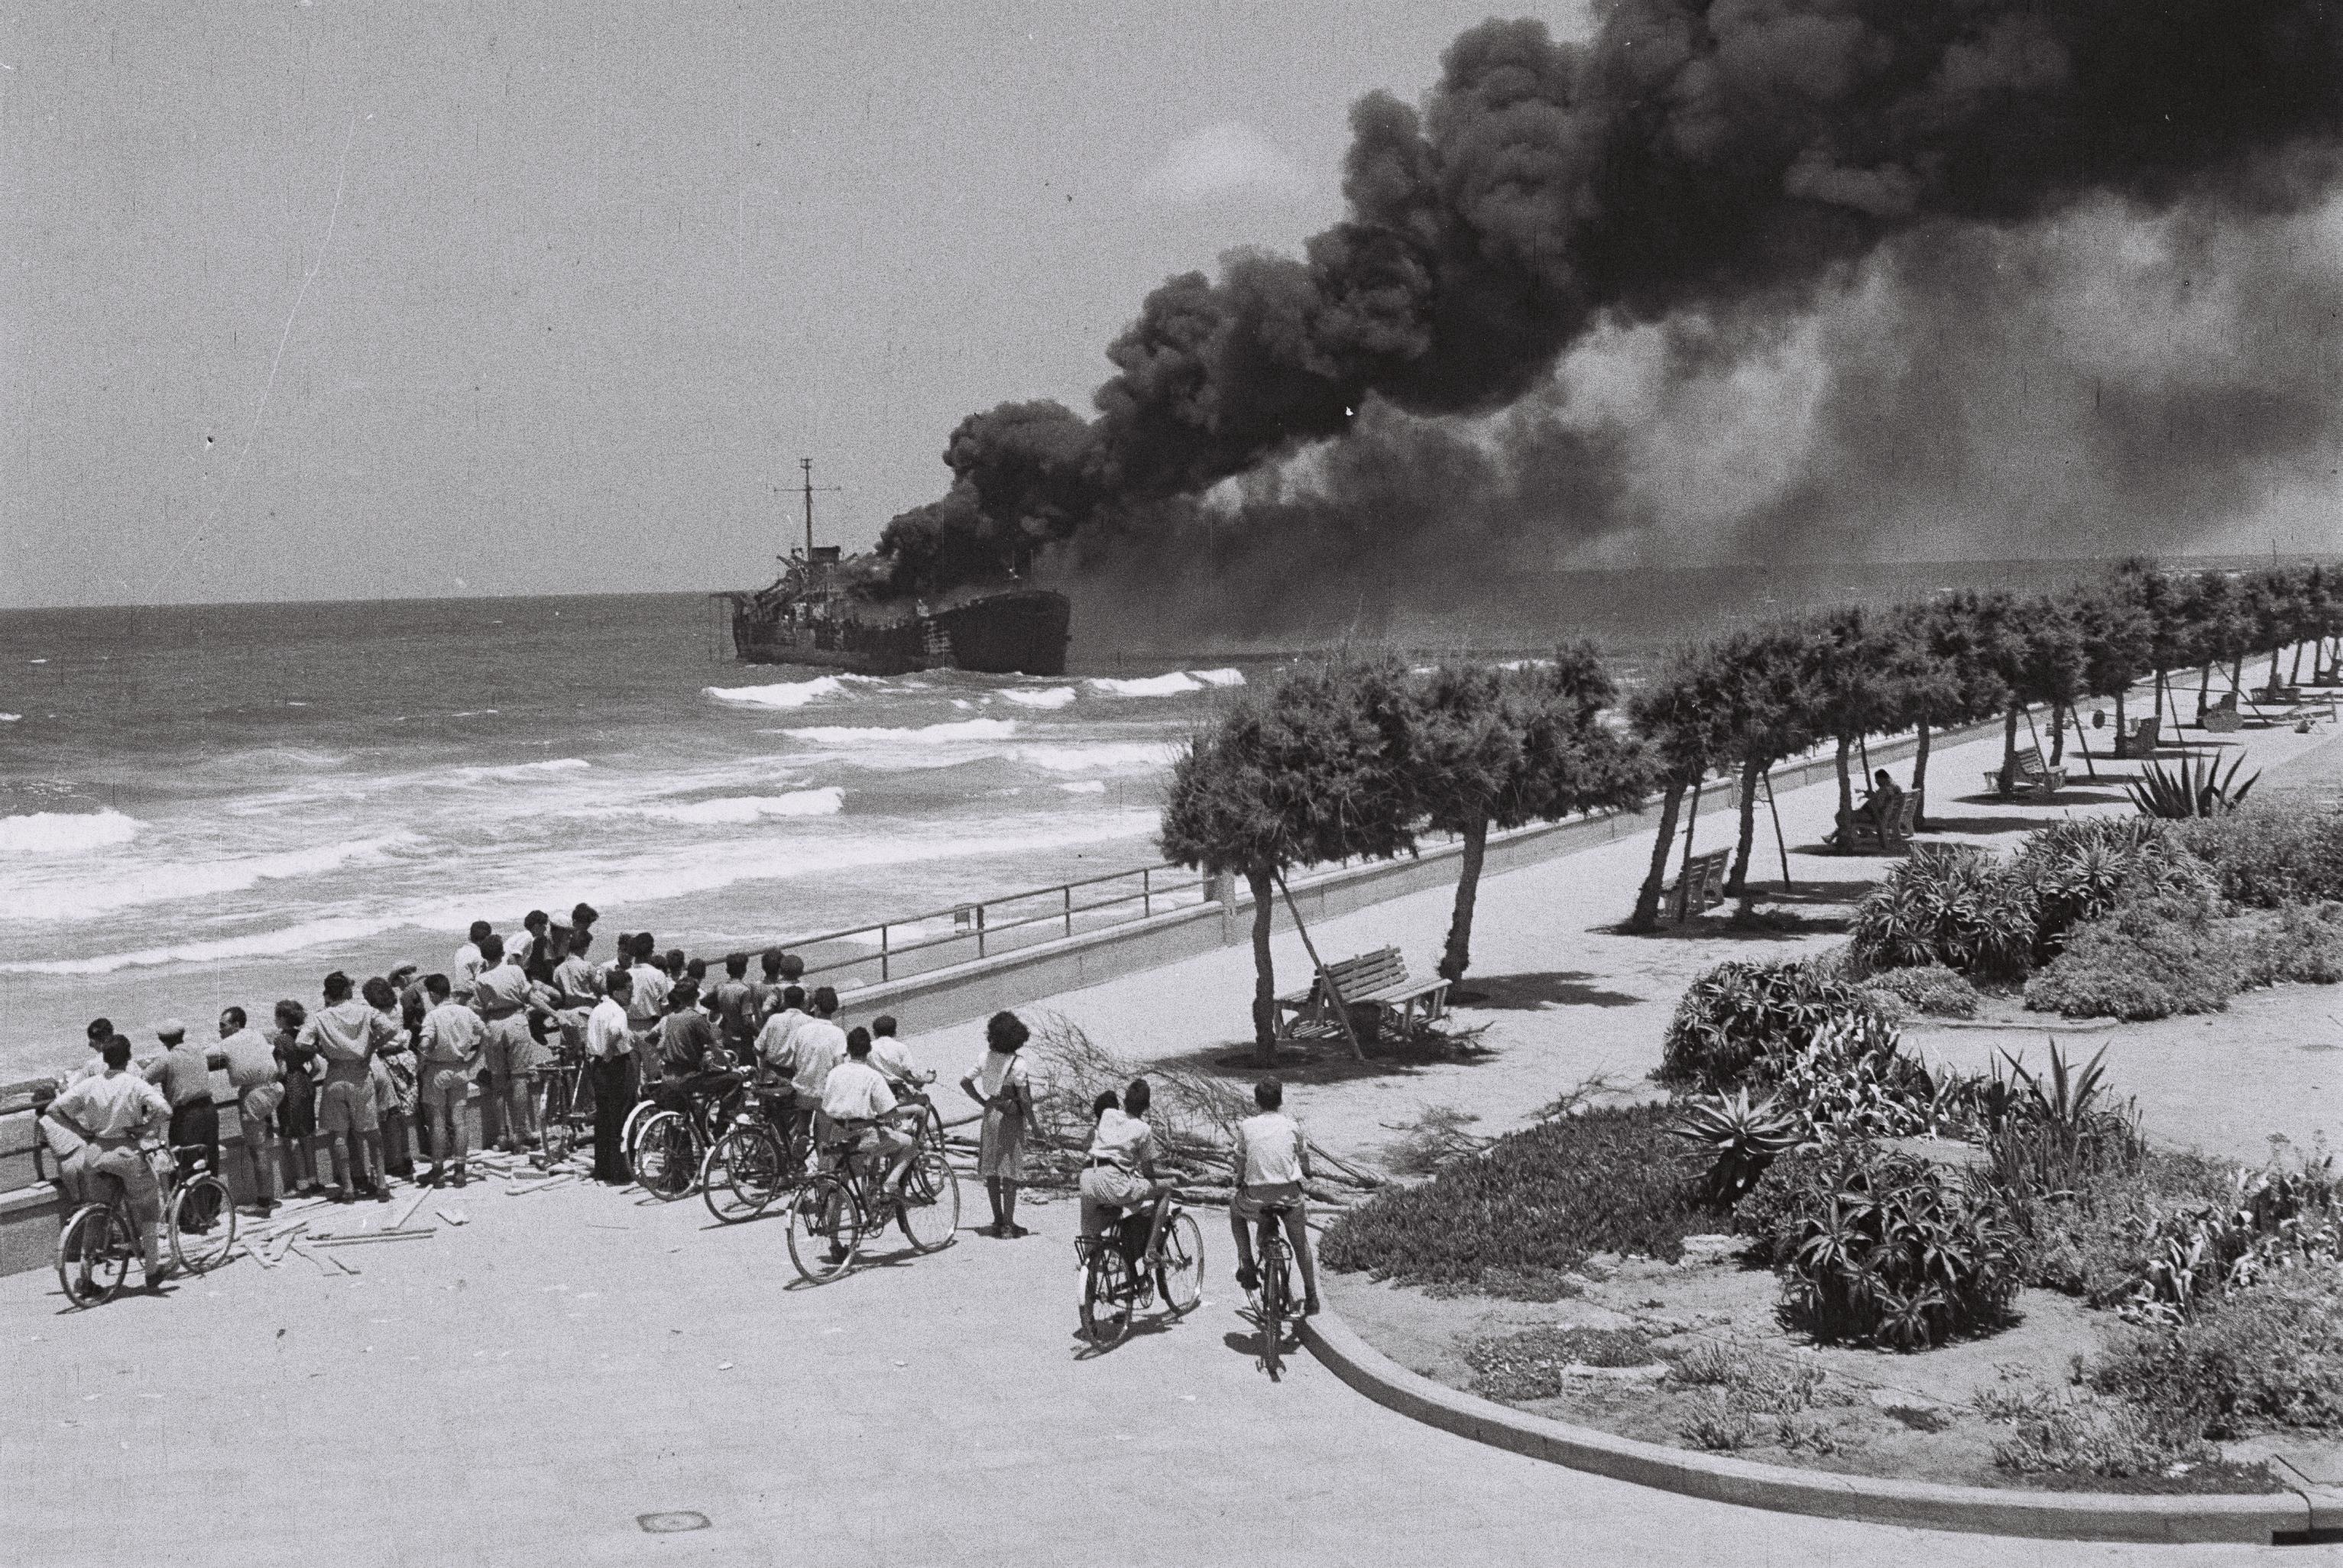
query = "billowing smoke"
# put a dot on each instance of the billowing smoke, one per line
(1862, 182)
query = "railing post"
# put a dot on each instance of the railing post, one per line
(1146, 895)
(980, 930)
(1069, 891)
(882, 954)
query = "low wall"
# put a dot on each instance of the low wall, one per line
(30, 1212)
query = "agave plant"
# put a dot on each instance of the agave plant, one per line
(1744, 1138)
(2189, 789)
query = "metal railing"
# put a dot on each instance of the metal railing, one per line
(984, 928)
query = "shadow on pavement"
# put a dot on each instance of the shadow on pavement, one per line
(1539, 989)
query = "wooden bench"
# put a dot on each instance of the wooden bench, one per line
(2142, 741)
(1378, 981)
(1700, 885)
(1859, 831)
(2031, 776)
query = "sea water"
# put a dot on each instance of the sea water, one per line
(201, 806)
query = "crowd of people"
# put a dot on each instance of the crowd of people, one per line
(346, 1096)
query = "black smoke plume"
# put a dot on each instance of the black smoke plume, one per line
(1715, 169)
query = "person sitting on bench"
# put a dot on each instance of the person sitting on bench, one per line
(1883, 805)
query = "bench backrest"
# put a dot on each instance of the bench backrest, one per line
(1368, 972)
(2029, 761)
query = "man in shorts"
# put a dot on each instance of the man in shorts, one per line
(258, 1083)
(1272, 1160)
(110, 1113)
(853, 1092)
(453, 1038)
(347, 1032)
(501, 997)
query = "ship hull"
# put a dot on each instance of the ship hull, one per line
(1020, 632)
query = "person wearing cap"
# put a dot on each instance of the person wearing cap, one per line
(256, 1079)
(184, 1073)
(110, 1113)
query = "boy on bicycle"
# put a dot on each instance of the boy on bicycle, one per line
(1271, 1161)
(856, 1092)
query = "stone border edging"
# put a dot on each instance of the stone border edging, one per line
(1932, 1505)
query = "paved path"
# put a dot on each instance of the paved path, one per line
(519, 1390)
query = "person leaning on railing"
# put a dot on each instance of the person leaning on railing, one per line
(110, 1113)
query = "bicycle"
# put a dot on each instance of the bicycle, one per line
(759, 1155)
(833, 1212)
(1272, 1302)
(99, 1239)
(564, 1107)
(669, 1145)
(1115, 1285)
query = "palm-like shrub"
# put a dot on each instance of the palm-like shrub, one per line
(1741, 1139)
(1892, 1250)
(1947, 904)
(1852, 1081)
(2189, 789)
(2079, 871)
(1738, 1014)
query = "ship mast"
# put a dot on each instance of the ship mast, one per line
(804, 466)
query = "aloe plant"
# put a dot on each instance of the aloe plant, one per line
(2189, 789)
(1745, 1137)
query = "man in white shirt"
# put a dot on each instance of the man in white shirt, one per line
(854, 1090)
(110, 1113)
(815, 1046)
(470, 960)
(774, 1035)
(1272, 1160)
(609, 1047)
(888, 1055)
(450, 1045)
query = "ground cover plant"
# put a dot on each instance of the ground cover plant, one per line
(1536, 1203)
(1738, 1014)
(1930, 991)
(2272, 853)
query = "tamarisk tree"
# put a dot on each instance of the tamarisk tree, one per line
(1505, 748)
(1315, 768)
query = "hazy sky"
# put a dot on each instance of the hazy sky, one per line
(338, 300)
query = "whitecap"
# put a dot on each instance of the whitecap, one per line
(880, 735)
(1171, 684)
(11, 718)
(514, 771)
(1082, 756)
(826, 801)
(782, 694)
(1085, 786)
(168, 881)
(65, 832)
(1048, 697)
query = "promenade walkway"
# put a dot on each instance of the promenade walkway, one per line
(519, 1390)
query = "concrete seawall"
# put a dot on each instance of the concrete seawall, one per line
(31, 1212)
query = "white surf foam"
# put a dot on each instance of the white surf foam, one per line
(1088, 756)
(959, 730)
(1170, 685)
(826, 801)
(81, 898)
(780, 694)
(516, 772)
(1085, 786)
(1048, 697)
(11, 718)
(65, 832)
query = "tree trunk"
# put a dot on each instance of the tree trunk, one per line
(1846, 783)
(2238, 674)
(2057, 733)
(2008, 750)
(2122, 747)
(2159, 699)
(1459, 954)
(1648, 900)
(1264, 971)
(2294, 676)
(1734, 884)
(1920, 781)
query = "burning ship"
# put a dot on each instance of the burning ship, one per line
(811, 615)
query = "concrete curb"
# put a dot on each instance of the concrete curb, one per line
(2050, 1515)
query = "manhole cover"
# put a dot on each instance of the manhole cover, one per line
(670, 1524)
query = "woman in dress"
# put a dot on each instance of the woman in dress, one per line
(1001, 1086)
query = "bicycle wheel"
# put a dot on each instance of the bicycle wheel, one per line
(94, 1255)
(1272, 1306)
(1180, 1264)
(930, 1211)
(556, 1128)
(203, 1224)
(666, 1156)
(1106, 1295)
(825, 1229)
(642, 1112)
(742, 1174)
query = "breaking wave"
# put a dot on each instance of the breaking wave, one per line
(963, 730)
(785, 693)
(65, 832)
(1048, 697)
(826, 801)
(1171, 684)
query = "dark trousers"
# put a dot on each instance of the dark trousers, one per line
(196, 1123)
(607, 1076)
